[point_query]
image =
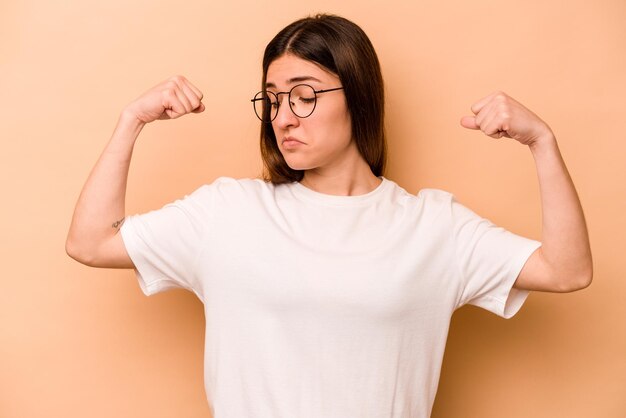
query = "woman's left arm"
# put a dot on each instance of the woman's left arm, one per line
(563, 262)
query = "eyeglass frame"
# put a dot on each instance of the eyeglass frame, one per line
(315, 92)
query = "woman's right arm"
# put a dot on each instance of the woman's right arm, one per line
(93, 238)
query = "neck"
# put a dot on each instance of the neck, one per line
(352, 181)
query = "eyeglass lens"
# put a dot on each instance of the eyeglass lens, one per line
(301, 98)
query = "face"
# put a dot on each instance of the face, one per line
(322, 140)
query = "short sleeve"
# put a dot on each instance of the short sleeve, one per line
(489, 259)
(164, 244)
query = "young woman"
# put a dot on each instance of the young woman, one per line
(328, 289)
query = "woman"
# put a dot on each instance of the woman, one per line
(328, 289)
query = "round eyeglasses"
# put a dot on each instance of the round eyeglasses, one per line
(302, 101)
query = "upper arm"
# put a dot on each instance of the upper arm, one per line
(539, 274)
(535, 274)
(111, 253)
(114, 253)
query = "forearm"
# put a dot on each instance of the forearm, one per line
(565, 241)
(563, 263)
(100, 208)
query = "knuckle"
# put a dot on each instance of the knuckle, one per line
(169, 94)
(501, 96)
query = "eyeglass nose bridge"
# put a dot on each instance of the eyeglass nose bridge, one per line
(279, 103)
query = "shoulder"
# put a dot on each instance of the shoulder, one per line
(244, 194)
(231, 188)
(435, 205)
(220, 190)
(427, 199)
(430, 195)
(428, 207)
(446, 204)
(435, 196)
(228, 186)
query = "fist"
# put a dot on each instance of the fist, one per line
(170, 99)
(499, 115)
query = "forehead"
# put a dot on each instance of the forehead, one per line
(289, 69)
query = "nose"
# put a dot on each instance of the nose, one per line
(285, 117)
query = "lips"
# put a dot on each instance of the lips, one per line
(291, 143)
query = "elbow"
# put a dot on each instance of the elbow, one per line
(577, 281)
(77, 252)
(70, 248)
(586, 279)
(585, 275)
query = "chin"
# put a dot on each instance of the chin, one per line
(298, 163)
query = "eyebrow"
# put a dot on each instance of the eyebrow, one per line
(295, 80)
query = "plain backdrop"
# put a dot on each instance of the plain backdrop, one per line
(82, 342)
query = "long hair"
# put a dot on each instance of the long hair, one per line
(341, 47)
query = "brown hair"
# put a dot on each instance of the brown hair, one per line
(342, 48)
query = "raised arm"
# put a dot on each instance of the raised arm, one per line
(563, 262)
(93, 238)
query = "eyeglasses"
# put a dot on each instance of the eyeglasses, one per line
(302, 101)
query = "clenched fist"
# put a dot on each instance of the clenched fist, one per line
(170, 99)
(499, 115)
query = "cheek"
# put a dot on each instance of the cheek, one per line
(343, 126)
(337, 122)
(343, 118)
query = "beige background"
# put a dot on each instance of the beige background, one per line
(81, 342)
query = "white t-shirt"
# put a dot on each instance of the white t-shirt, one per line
(325, 306)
